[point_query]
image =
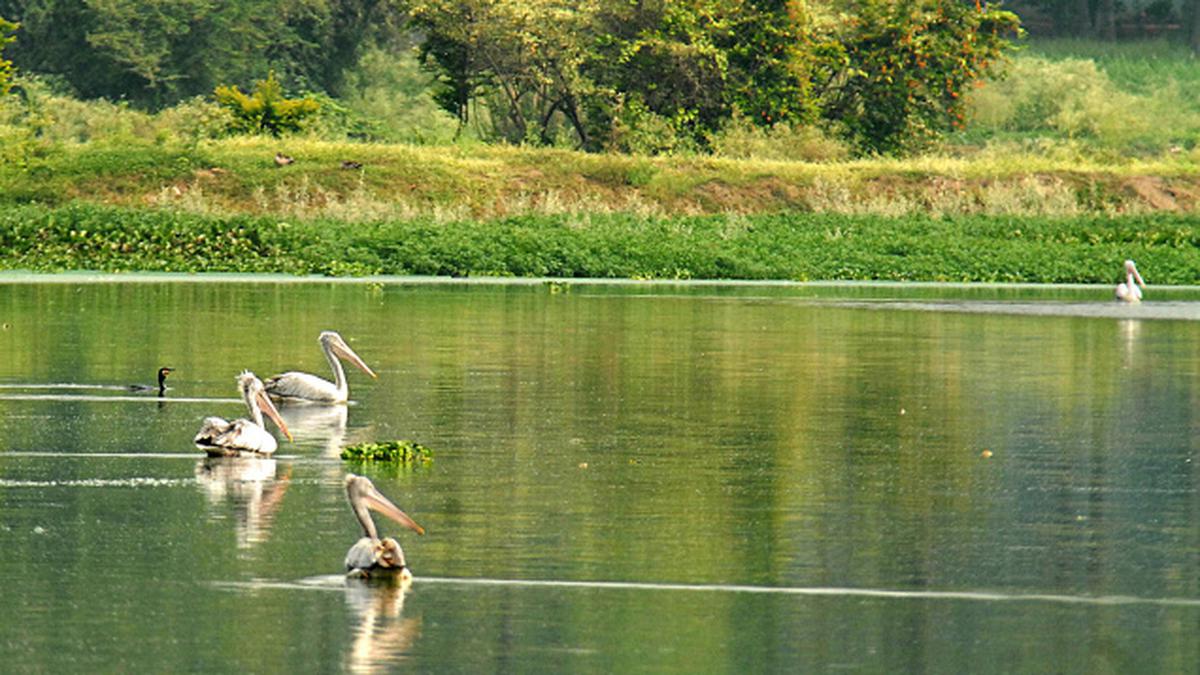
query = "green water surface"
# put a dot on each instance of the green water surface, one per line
(627, 478)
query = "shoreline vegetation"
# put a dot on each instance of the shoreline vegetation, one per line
(783, 246)
(1075, 162)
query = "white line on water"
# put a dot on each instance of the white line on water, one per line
(333, 583)
(129, 455)
(97, 397)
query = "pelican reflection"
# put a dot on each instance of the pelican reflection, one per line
(249, 483)
(323, 423)
(383, 637)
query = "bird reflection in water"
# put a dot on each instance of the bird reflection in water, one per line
(1130, 329)
(249, 483)
(311, 422)
(383, 637)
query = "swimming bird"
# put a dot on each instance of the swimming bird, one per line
(162, 382)
(306, 387)
(243, 436)
(372, 555)
(1127, 291)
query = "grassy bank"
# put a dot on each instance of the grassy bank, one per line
(1085, 249)
(447, 183)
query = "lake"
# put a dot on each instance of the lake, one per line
(628, 477)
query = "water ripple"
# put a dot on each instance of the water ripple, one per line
(336, 582)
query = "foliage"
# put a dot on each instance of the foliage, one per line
(390, 90)
(6, 66)
(156, 54)
(522, 58)
(405, 452)
(614, 75)
(267, 110)
(893, 75)
(1135, 102)
(783, 246)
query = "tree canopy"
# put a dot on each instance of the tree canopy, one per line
(637, 75)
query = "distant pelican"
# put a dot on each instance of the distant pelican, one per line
(1127, 291)
(243, 436)
(306, 387)
(371, 555)
(162, 382)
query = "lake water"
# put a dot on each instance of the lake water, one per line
(627, 478)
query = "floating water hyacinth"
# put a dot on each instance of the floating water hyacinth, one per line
(406, 452)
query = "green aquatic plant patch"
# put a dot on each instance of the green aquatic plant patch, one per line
(795, 246)
(405, 452)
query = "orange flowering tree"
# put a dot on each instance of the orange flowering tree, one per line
(893, 74)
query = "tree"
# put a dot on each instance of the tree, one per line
(155, 53)
(893, 74)
(596, 70)
(520, 59)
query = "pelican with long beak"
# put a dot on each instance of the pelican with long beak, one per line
(1127, 291)
(372, 555)
(243, 436)
(306, 387)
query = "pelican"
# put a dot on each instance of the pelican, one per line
(1128, 291)
(243, 436)
(162, 382)
(372, 555)
(306, 387)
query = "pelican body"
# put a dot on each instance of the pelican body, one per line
(220, 438)
(373, 556)
(306, 387)
(162, 382)
(1127, 291)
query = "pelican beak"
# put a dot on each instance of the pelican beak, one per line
(343, 350)
(268, 407)
(375, 500)
(1137, 276)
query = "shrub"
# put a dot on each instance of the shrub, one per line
(267, 110)
(6, 66)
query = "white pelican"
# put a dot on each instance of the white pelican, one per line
(306, 387)
(1127, 291)
(371, 555)
(162, 382)
(243, 436)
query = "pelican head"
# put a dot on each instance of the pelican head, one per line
(1126, 290)
(333, 343)
(255, 396)
(363, 495)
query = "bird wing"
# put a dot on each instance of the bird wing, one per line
(211, 429)
(302, 386)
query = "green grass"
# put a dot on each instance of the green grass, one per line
(782, 246)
